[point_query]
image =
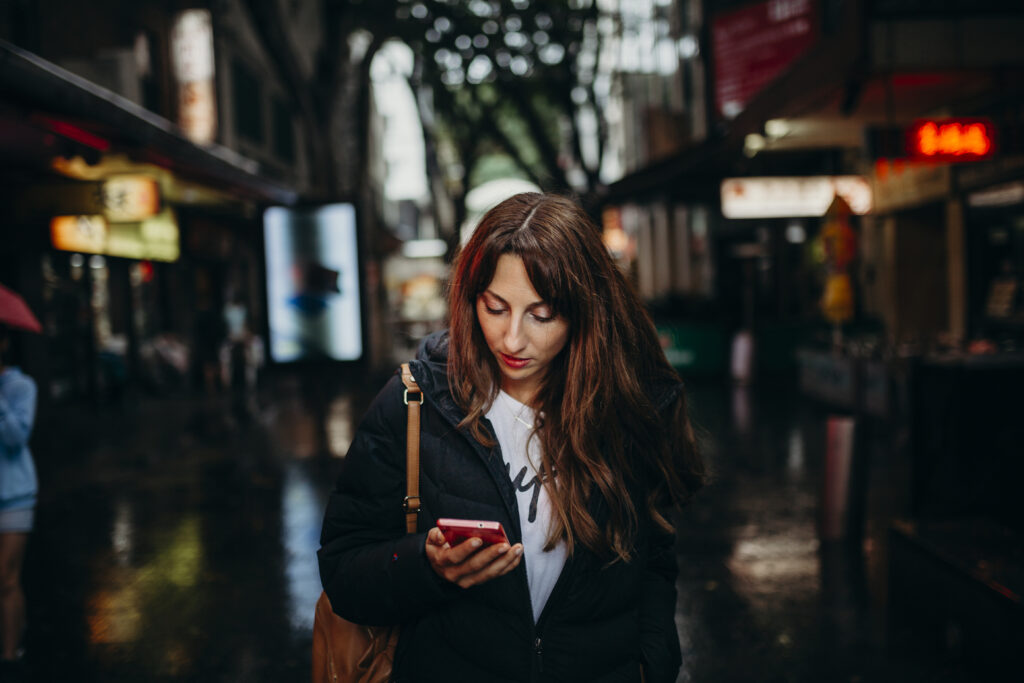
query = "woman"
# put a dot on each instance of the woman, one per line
(17, 499)
(549, 407)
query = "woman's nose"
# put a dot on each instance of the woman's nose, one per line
(515, 340)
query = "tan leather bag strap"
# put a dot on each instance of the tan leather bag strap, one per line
(411, 504)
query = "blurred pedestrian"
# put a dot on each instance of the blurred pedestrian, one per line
(18, 487)
(209, 335)
(550, 408)
(241, 356)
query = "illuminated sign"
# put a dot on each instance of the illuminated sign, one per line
(313, 300)
(130, 198)
(1002, 195)
(155, 238)
(193, 65)
(951, 140)
(755, 44)
(792, 197)
(79, 233)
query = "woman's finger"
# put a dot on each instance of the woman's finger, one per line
(470, 562)
(499, 565)
(463, 551)
(435, 549)
(435, 538)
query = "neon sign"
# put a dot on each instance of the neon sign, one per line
(951, 140)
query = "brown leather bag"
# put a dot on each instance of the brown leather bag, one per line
(344, 652)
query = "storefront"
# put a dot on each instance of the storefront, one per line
(119, 232)
(994, 224)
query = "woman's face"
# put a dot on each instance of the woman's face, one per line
(521, 330)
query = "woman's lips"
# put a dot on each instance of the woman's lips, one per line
(513, 362)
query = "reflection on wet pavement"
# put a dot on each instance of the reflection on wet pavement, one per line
(302, 510)
(176, 543)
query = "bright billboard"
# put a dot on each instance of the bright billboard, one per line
(313, 298)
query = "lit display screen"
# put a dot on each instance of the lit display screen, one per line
(313, 301)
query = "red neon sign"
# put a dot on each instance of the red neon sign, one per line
(73, 132)
(951, 140)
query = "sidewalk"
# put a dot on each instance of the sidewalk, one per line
(174, 544)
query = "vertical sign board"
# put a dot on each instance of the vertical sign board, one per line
(755, 44)
(313, 301)
(193, 66)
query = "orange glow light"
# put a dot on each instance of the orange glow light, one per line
(951, 140)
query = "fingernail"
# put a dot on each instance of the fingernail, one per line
(503, 549)
(519, 550)
(475, 542)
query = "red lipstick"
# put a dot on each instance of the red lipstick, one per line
(513, 362)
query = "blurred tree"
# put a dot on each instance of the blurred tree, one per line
(513, 78)
(493, 77)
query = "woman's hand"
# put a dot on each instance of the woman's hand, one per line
(468, 564)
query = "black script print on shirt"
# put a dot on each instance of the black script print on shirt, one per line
(523, 488)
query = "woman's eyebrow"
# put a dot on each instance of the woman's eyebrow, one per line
(535, 304)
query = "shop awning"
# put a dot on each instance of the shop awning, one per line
(868, 69)
(818, 74)
(61, 103)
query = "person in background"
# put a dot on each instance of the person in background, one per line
(241, 356)
(549, 407)
(18, 487)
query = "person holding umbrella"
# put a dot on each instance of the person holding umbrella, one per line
(18, 484)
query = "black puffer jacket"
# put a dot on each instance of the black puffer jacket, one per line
(601, 623)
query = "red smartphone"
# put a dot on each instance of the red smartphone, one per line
(458, 530)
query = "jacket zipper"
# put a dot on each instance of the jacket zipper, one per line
(513, 510)
(538, 627)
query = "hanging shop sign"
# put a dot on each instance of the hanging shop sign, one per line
(755, 44)
(1002, 195)
(118, 198)
(193, 66)
(792, 197)
(130, 198)
(82, 233)
(951, 140)
(155, 237)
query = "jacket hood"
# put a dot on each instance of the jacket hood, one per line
(434, 348)
(430, 370)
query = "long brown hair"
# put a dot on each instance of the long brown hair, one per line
(600, 429)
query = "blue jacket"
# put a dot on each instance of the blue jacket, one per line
(18, 485)
(601, 624)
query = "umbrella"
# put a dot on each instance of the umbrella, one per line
(15, 313)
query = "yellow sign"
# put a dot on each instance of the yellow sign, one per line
(155, 238)
(130, 198)
(837, 300)
(79, 233)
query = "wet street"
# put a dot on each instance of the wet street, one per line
(175, 544)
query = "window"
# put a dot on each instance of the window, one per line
(248, 103)
(283, 131)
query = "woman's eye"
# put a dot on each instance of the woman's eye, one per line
(543, 317)
(494, 311)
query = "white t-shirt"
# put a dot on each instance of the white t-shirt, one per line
(513, 425)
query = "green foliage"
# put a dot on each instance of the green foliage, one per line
(500, 73)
